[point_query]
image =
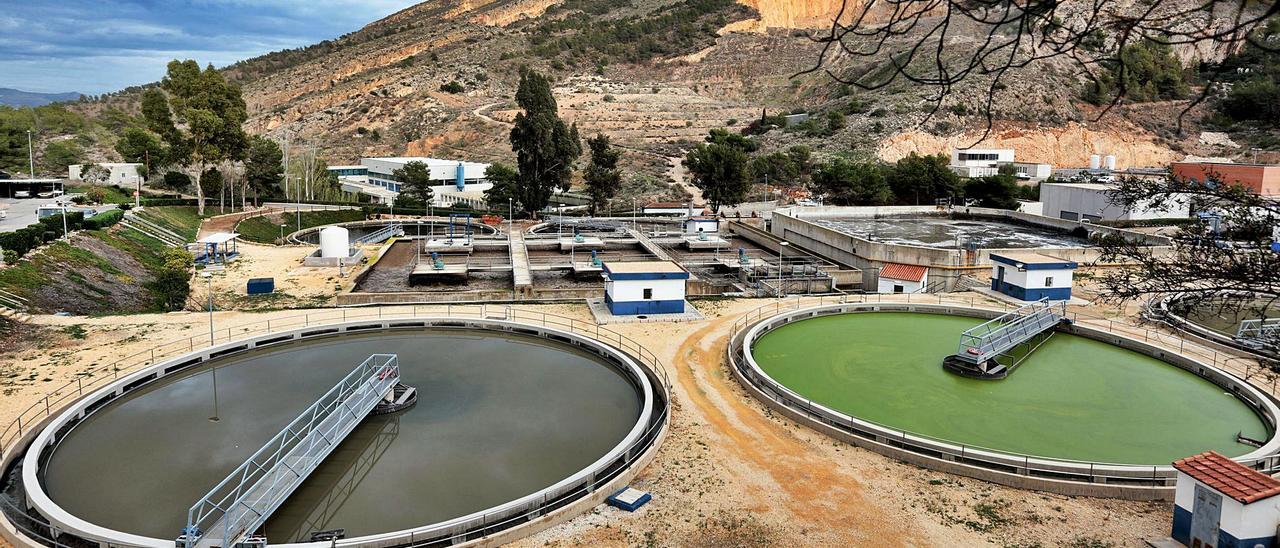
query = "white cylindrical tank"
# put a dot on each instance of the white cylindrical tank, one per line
(334, 242)
(1111, 162)
(1095, 161)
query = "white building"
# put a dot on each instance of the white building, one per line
(1092, 202)
(902, 278)
(705, 224)
(123, 174)
(644, 287)
(985, 162)
(1219, 502)
(452, 180)
(1031, 276)
(673, 208)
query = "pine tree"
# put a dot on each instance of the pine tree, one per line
(545, 147)
(602, 178)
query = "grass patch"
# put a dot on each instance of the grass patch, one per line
(266, 229)
(182, 220)
(112, 194)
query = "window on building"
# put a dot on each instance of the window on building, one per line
(648, 293)
(898, 288)
(1048, 281)
(1069, 215)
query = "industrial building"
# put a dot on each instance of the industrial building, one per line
(1032, 276)
(124, 174)
(1093, 202)
(644, 287)
(1258, 178)
(452, 180)
(903, 278)
(974, 162)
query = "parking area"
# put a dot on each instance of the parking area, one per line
(20, 212)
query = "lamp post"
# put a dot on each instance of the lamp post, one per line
(31, 157)
(781, 246)
(208, 276)
(282, 234)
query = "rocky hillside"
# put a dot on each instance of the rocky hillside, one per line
(656, 75)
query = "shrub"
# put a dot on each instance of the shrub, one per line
(452, 87)
(103, 220)
(172, 285)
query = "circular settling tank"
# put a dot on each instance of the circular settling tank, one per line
(499, 416)
(1074, 398)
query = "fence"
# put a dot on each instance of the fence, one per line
(39, 530)
(997, 461)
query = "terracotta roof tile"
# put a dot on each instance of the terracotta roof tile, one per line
(1233, 479)
(899, 271)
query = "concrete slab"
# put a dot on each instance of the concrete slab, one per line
(712, 242)
(600, 311)
(1165, 542)
(459, 245)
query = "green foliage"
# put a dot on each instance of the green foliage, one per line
(453, 86)
(719, 168)
(602, 177)
(211, 181)
(790, 168)
(1254, 76)
(103, 220)
(172, 284)
(138, 145)
(175, 180)
(545, 147)
(199, 116)
(60, 154)
(670, 30)
(415, 189)
(505, 181)
(265, 229)
(997, 191)
(1146, 71)
(919, 179)
(264, 167)
(44, 121)
(846, 183)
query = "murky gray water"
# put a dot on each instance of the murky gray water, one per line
(951, 234)
(498, 417)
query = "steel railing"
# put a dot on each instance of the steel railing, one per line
(243, 501)
(40, 530)
(998, 335)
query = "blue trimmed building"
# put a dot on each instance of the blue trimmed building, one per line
(1031, 276)
(644, 287)
(1220, 503)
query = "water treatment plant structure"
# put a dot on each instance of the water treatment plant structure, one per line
(590, 445)
(953, 243)
(941, 421)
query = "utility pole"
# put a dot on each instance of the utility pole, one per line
(286, 165)
(31, 157)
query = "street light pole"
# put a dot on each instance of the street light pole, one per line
(31, 157)
(208, 276)
(781, 245)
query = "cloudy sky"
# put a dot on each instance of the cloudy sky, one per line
(96, 46)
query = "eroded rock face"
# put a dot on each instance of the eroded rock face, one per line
(1068, 146)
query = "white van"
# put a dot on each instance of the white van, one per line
(22, 194)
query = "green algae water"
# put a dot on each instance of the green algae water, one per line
(1074, 398)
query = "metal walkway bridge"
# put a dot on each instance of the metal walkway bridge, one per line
(1259, 334)
(381, 235)
(993, 349)
(238, 506)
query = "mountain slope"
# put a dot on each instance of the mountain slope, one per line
(18, 98)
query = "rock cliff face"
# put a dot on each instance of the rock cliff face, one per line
(1068, 146)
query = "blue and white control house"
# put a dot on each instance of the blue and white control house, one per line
(1031, 276)
(644, 287)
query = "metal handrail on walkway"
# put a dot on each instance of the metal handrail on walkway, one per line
(1002, 333)
(243, 501)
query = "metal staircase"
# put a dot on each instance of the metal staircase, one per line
(168, 237)
(382, 235)
(993, 349)
(237, 507)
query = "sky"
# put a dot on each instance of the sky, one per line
(97, 46)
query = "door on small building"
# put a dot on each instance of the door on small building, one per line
(1205, 517)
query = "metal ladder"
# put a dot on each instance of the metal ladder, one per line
(981, 346)
(239, 505)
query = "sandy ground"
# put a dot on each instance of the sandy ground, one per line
(297, 286)
(730, 474)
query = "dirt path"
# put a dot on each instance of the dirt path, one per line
(224, 223)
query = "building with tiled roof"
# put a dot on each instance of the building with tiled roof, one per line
(903, 278)
(1220, 503)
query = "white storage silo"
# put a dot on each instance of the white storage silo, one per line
(1111, 162)
(334, 242)
(1095, 161)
